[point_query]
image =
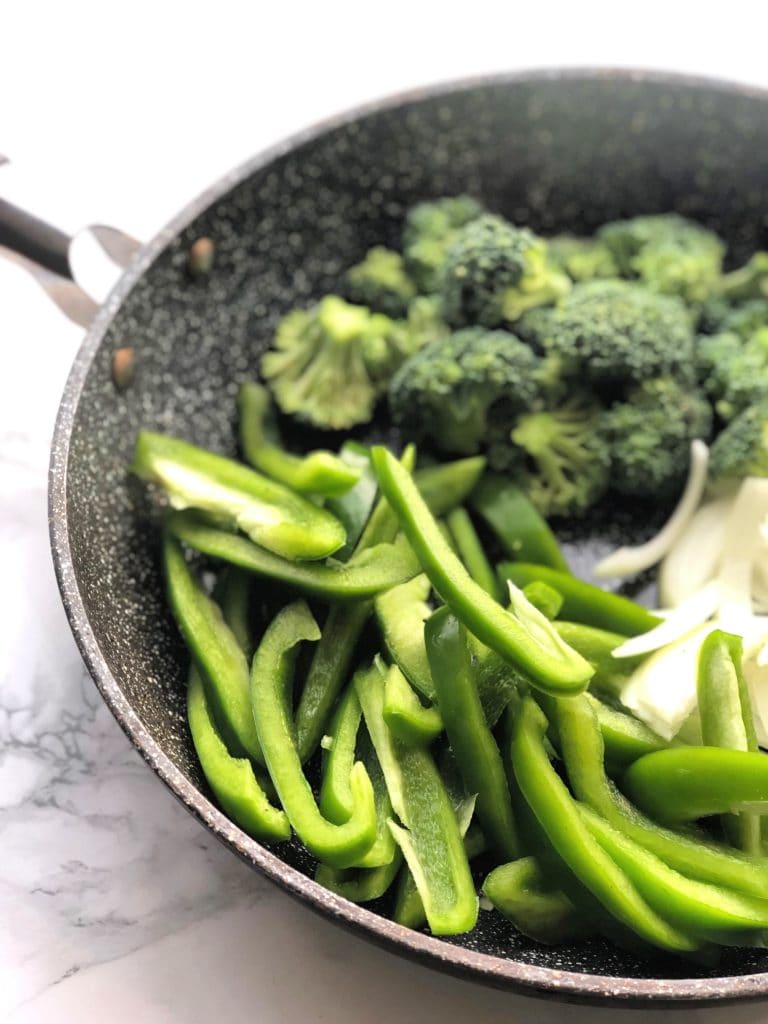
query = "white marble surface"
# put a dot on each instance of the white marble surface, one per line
(114, 904)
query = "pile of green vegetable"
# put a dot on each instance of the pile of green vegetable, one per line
(577, 366)
(455, 727)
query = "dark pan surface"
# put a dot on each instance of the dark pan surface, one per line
(556, 151)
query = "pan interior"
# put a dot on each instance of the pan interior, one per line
(557, 154)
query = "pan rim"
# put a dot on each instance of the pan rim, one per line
(525, 979)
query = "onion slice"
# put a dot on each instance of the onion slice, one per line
(694, 559)
(693, 612)
(741, 546)
(628, 561)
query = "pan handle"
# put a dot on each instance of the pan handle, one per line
(39, 242)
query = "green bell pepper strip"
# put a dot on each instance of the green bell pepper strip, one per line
(559, 817)
(336, 800)
(711, 911)
(271, 678)
(448, 484)
(548, 600)
(232, 779)
(341, 632)
(597, 646)
(430, 840)
(685, 783)
(477, 754)
(584, 602)
(408, 909)
(625, 737)
(408, 719)
(581, 746)
(725, 714)
(232, 594)
(378, 568)
(353, 509)
(519, 891)
(273, 516)
(319, 472)
(471, 551)
(401, 613)
(518, 525)
(524, 637)
(216, 652)
(360, 886)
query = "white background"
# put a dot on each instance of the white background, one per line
(119, 113)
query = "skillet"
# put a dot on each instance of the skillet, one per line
(558, 150)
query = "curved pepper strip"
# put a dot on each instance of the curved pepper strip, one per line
(232, 594)
(685, 783)
(431, 841)
(271, 677)
(559, 817)
(520, 892)
(272, 515)
(215, 651)
(518, 525)
(342, 629)
(713, 912)
(626, 738)
(319, 472)
(726, 718)
(448, 484)
(360, 886)
(408, 719)
(336, 800)
(597, 646)
(546, 660)
(548, 600)
(477, 754)
(581, 745)
(584, 602)
(377, 568)
(354, 508)
(470, 550)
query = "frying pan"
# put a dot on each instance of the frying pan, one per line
(555, 150)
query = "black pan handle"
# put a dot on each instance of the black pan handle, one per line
(28, 236)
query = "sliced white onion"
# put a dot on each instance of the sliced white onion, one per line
(740, 547)
(694, 558)
(628, 561)
(662, 690)
(693, 612)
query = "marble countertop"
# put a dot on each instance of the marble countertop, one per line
(115, 904)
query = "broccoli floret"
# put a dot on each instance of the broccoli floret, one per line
(381, 283)
(669, 253)
(749, 281)
(582, 259)
(449, 391)
(558, 455)
(494, 272)
(746, 319)
(428, 232)
(733, 372)
(649, 437)
(424, 322)
(741, 449)
(330, 363)
(613, 334)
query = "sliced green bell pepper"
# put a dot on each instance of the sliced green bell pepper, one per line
(272, 515)
(448, 484)
(353, 509)
(271, 678)
(597, 646)
(319, 472)
(626, 738)
(470, 550)
(360, 886)
(519, 637)
(378, 568)
(726, 718)
(477, 754)
(584, 602)
(518, 525)
(548, 600)
(408, 719)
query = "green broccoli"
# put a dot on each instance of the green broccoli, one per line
(649, 437)
(428, 232)
(450, 390)
(494, 272)
(668, 253)
(582, 259)
(330, 363)
(747, 318)
(749, 281)
(733, 372)
(381, 283)
(741, 449)
(558, 455)
(614, 334)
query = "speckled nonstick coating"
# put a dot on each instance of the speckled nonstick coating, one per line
(556, 150)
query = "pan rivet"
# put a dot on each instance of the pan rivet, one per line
(201, 254)
(123, 367)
